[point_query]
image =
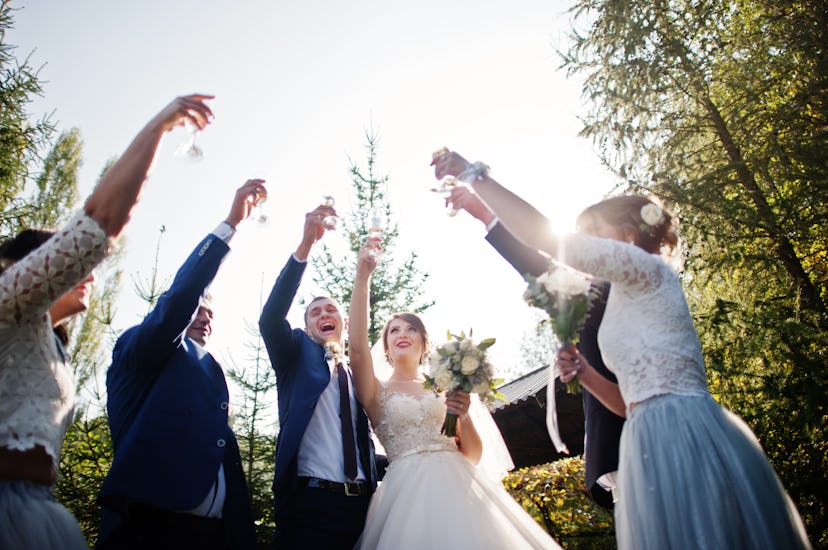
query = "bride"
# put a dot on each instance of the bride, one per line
(436, 490)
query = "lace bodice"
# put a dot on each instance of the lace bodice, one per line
(411, 423)
(647, 337)
(37, 389)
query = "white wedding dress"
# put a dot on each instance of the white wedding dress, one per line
(432, 496)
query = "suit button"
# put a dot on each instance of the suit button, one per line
(224, 405)
(221, 443)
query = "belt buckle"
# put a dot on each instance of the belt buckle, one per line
(352, 489)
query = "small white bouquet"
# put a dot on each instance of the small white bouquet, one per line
(565, 295)
(462, 365)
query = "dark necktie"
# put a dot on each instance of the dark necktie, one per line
(348, 439)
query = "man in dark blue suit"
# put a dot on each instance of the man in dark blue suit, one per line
(176, 479)
(602, 427)
(318, 504)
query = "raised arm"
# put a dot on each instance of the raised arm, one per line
(520, 218)
(523, 258)
(112, 200)
(162, 329)
(362, 365)
(275, 328)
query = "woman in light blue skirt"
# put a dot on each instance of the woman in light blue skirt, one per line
(691, 474)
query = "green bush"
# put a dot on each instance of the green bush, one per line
(555, 495)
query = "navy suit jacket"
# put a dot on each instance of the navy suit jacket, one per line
(168, 410)
(302, 374)
(601, 426)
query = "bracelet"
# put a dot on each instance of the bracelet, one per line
(476, 171)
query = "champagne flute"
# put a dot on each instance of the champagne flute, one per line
(375, 232)
(189, 150)
(329, 222)
(259, 216)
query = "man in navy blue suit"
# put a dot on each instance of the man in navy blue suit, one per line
(601, 426)
(318, 503)
(176, 479)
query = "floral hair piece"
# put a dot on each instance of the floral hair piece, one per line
(653, 216)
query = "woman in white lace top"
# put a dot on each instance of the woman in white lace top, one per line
(435, 493)
(691, 474)
(45, 279)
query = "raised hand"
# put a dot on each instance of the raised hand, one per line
(246, 198)
(463, 197)
(368, 255)
(448, 163)
(190, 109)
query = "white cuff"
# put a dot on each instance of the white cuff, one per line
(224, 231)
(297, 259)
(492, 223)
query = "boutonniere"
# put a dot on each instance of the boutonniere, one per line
(333, 351)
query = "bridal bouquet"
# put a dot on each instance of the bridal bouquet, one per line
(462, 365)
(565, 295)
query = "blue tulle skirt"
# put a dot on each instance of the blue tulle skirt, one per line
(31, 519)
(693, 475)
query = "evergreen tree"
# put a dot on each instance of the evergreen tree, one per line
(253, 423)
(720, 109)
(394, 286)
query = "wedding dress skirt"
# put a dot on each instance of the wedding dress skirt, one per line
(692, 475)
(432, 496)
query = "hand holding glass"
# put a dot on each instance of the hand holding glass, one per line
(375, 232)
(446, 185)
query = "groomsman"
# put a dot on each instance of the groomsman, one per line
(325, 469)
(176, 479)
(601, 426)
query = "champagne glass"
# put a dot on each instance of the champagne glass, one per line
(446, 185)
(259, 215)
(375, 232)
(189, 150)
(329, 222)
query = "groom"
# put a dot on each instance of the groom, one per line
(325, 469)
(601, 426)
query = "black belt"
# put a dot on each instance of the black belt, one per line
(349, 488)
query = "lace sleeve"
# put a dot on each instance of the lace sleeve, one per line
(30, 286)
(613, 261)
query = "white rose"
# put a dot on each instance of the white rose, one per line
(467, 345)
(451, 347)
(443, 379)
(469, 364)
(566, 281)
(481, 388)
(652, 214)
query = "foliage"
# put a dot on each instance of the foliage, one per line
(250, 421)
(555, 495)
(721, 109)
(84, 462)
(394, 286)
(537, 347)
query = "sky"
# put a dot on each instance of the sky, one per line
(297, 86)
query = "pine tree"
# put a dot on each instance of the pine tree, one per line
(395, 286)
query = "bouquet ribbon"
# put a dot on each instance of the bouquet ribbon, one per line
(552, 412)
